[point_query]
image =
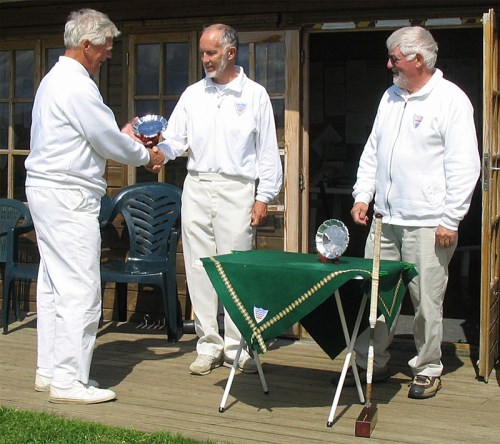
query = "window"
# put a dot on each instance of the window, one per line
(161, 69)
(267, 68)
(19, 78)
(162, 66)
(264, 62)
(17, 89)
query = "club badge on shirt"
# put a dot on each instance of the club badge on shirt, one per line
(240, 108)
(417, 120)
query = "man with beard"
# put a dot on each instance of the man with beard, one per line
(226, 120)
(420, 165)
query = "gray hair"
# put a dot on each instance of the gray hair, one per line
(87, 24)
(413, 40)
(228, 37)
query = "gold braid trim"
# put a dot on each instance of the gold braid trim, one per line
(257, 331)
(390, 310)
(232, 293)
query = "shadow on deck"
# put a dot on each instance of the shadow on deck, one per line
(156, 392)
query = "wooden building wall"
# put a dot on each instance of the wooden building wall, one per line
(22, 19)
(34, 15)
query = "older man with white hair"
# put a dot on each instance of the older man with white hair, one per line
(72, 134)
(420, 165)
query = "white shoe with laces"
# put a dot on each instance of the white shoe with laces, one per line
(42, 383)
(79, 393)
(204, 364)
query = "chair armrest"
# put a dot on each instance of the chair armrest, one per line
(172, 250)
(105, 211)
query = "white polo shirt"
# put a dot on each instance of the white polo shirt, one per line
(228, 129)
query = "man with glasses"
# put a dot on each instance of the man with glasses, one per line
(420, 165)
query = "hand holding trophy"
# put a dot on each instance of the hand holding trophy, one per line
(148, 130)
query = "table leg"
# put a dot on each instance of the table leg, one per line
(349, 358)
(232, 372)
(255, 356)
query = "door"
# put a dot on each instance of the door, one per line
(162, 65)
(490, 256)
(272, 59)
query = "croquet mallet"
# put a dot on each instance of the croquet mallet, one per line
(367, 419)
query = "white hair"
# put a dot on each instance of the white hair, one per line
(413, 40)
(88, 24)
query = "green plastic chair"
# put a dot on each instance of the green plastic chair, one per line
(105, 211)
(151, 213)
(15, 219)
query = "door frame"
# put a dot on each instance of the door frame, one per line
(490, 252)
(490, 249)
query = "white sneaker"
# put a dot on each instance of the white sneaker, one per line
(79, 393)
(204, 364)
(246, 364)
(42, 383)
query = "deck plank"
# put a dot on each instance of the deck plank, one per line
(156, 392)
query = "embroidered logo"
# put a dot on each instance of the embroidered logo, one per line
(259, 314)
(417, 120)
(240, 108)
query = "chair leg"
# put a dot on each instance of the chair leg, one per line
(121, 299)
(15, 297)
(188, 324)
(173, 329)
(172, 311)
(6, 305)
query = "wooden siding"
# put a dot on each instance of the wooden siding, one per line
(46, 18)
(257, 14)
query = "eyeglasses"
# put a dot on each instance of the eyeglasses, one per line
(394, 60)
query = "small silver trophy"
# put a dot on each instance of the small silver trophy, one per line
(148, 128)
(332, 239)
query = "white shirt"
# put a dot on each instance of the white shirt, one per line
(421, 161)
(73, 133)
(228, 129)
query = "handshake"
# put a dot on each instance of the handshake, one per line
(156, 160)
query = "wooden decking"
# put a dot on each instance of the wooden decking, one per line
(156, 392)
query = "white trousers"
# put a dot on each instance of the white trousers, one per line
(68, 287)
(415, 245)
(216, 215)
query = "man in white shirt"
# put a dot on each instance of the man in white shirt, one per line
(73, 133)
(420, 165)
(227, 123)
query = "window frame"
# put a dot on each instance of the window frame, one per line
(40, 68)
(157, 38)
(11, 150)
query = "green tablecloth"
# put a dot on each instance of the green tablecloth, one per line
(265, 292)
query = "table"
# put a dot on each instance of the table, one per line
(265, 292)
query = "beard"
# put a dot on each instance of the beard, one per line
(219, 70)
(399, 79)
